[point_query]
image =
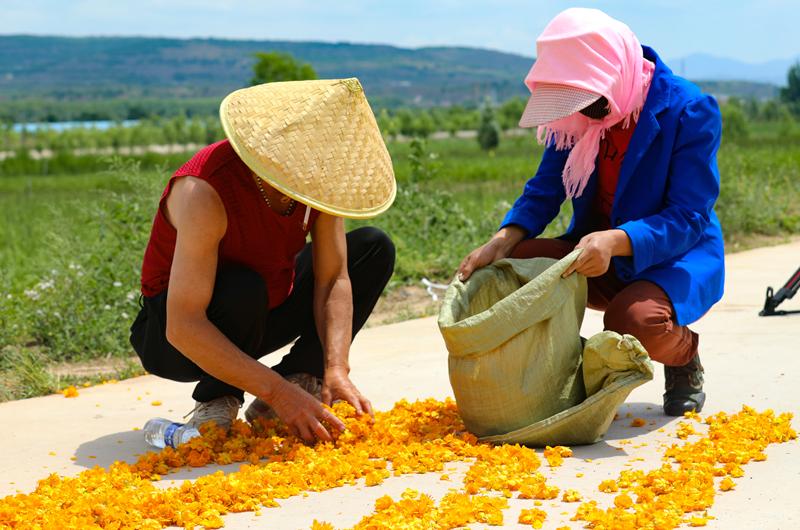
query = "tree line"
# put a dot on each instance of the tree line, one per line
(198, 124)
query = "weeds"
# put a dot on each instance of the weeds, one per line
(71, 246)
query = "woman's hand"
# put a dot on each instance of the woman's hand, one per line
(336, 386)
(497, 248)
(598, 249)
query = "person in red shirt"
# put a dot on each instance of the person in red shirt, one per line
(228, 277)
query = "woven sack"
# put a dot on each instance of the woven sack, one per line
(518, 366)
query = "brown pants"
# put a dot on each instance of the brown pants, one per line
(639, 308)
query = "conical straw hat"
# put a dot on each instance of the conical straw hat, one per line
(315, 141)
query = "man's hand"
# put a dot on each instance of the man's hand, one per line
(337, 386)
(302, 413)
(598, 249)
(497, 248)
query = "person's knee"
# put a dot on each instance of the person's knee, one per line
(648, 324)
(239, 291)
(624, 317)
(378, 245)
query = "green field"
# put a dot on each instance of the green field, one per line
(72, 244)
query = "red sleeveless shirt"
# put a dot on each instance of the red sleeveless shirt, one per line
(256, 237)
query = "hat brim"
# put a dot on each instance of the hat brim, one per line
(551, 102)
(315, 141)
(257, 167)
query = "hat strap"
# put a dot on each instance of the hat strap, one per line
(305, 217)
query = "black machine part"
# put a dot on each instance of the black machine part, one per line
(784, 293)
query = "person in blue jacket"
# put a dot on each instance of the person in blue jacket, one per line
(634, 147)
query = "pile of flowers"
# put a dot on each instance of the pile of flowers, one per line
(415, 511)
(685, 483)
(418, 437)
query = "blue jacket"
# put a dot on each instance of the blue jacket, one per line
(664, 200)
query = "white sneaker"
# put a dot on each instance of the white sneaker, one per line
(260, 409)
(222, 410)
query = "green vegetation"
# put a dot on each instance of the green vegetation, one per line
(77, 204)
(488, 130)
(791, 93)
(50, 79)
(26, 109)
(90, 69)
(74, 226)
(276, 66)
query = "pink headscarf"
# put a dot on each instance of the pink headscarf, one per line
(585, 48)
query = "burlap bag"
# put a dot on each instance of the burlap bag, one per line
(518, 367)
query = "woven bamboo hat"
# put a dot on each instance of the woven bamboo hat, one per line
(315, 141)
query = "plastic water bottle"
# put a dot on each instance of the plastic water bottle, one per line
(160, 432)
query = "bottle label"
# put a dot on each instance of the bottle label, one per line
(169, 433)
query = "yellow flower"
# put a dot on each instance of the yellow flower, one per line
(571, 496)
(608, 486)
(685, 482)
(727, 484)
(533, 517)
(555, 455)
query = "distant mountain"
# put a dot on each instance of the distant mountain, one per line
(91, 68)
(122, 66)
(709, 67)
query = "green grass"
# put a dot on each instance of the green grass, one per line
(71, 245)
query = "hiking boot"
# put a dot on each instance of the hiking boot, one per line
(684, 388)
(308, 382)
(222, 411)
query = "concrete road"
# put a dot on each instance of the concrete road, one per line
(748, 359)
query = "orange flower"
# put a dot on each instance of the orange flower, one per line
(665, 494)
(623, 501)
(608, 486)
(419, 437)
(70, 392)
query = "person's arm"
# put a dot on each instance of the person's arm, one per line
(333, 310)
(691, 194)
(199, 218)
(538, 205)
(542, 197)
(692, 191)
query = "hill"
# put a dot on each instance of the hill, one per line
(102, 67)
(130, 77)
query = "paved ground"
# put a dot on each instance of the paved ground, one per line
(749, 360)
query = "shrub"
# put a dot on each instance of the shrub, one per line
(488, 130)
(734, 124)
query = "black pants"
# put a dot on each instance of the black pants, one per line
(239, 309)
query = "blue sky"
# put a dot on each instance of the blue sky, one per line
(750, 31)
